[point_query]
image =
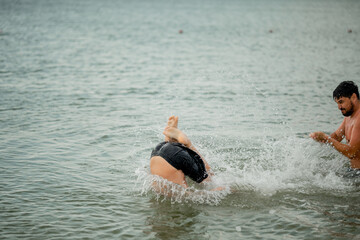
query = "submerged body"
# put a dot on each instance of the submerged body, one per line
(181, 158)
(177, 157)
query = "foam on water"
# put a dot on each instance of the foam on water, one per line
(201, 194)
(287, 164)
(266, 167)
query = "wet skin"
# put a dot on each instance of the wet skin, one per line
(349, 129)
(159, 166)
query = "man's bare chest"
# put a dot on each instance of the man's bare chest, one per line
(349, 125)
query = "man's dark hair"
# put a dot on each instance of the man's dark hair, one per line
(346, 89)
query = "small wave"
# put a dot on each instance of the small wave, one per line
(11, 109)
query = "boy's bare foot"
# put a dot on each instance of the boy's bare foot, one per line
(172, 122)
(179, 136)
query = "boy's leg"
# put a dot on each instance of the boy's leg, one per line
(177, 134)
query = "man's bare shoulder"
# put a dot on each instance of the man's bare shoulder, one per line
(357, 117)
(353, 123)
(354, 129)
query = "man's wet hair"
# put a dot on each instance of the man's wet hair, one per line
(346, 89)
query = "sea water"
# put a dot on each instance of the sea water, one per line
(86, 88)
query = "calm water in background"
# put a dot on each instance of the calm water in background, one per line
(86, 88)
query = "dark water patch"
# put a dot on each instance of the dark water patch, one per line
(12, 109)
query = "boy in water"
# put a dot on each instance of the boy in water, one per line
(177, 157)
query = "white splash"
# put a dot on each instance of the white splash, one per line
(164, 190)
(289, 164)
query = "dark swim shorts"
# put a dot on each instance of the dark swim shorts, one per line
(182, 158)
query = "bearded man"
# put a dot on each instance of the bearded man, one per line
(346, 95)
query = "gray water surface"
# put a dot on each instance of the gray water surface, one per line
(86, 88)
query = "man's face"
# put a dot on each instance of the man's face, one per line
(345, 105)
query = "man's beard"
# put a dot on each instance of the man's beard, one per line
(350, 111)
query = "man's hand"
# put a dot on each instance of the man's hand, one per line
(320, 137)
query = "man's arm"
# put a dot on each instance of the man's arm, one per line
(349, 150)
(339, 134)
